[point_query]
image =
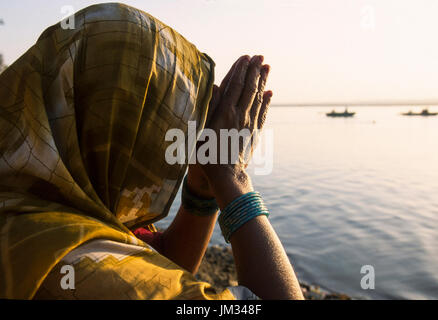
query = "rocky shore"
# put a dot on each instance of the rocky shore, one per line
(218, 269)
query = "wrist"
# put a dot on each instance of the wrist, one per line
(240, 211)
(197, 184)
(228, 183)
(195, 205)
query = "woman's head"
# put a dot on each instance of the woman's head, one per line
(105, 95)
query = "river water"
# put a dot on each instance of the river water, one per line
(349, 192)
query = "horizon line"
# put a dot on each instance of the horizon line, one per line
(373, 104)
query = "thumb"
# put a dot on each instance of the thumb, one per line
(214, 102)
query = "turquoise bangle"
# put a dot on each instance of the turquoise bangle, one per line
(240, 211)
(195, 205)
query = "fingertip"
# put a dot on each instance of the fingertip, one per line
(245, 57)
(243, 61)
(243, 64)
(258, 59)
(269, 94)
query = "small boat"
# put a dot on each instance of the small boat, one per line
(344, 114)
(424, 113)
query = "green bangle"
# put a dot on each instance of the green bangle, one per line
(195, 205)
(240, 211)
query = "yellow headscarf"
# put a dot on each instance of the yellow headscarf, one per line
(83, 115)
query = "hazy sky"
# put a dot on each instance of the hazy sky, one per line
(337, 51)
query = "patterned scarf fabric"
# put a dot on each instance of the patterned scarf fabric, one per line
(83, 116)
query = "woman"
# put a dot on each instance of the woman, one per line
(83, 116)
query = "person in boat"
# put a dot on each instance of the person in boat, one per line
(83, 118)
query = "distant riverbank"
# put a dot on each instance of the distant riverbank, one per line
(218, 269)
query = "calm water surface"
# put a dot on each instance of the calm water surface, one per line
(345, 193)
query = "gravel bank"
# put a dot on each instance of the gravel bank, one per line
(218, 269)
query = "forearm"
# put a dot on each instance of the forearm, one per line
(186, 239)
(261, 262)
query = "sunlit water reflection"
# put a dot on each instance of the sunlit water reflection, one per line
(345, 193)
